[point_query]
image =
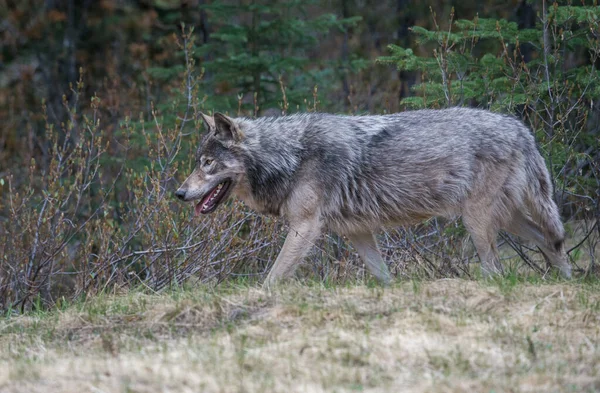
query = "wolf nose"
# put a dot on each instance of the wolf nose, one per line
(180, 194)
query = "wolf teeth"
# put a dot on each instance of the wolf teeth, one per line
(217, 192)
(212, 198)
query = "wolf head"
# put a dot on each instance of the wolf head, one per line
(218, 169)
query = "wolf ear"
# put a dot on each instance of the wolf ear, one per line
(226, 128)
(209, 121)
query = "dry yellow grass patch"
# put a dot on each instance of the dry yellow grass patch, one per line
(442, 336)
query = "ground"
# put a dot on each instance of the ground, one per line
(416, 336)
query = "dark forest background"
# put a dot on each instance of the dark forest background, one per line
(99, 103)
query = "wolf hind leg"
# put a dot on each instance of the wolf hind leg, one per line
(480, 222)
(298, 242)
(366, 245)
(552, 249)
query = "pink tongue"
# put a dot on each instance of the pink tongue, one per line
(197, 209)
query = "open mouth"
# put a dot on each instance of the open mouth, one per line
(210, 202)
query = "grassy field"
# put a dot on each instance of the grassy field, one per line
(417, 336)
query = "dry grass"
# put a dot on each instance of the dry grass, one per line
(440, 336)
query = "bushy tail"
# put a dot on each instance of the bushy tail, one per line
(542, 207)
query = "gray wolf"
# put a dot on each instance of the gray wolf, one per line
(355, 174)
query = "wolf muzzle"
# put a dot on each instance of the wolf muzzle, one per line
(180, 194)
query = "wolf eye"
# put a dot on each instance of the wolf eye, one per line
(208, 162)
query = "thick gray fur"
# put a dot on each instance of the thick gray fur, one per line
(355, 174)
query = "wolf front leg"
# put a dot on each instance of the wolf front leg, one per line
(298, 242)
(366, 245)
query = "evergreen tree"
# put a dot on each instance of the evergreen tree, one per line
(256, 44)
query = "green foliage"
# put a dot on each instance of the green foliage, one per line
(257, 44)
(483, 56)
